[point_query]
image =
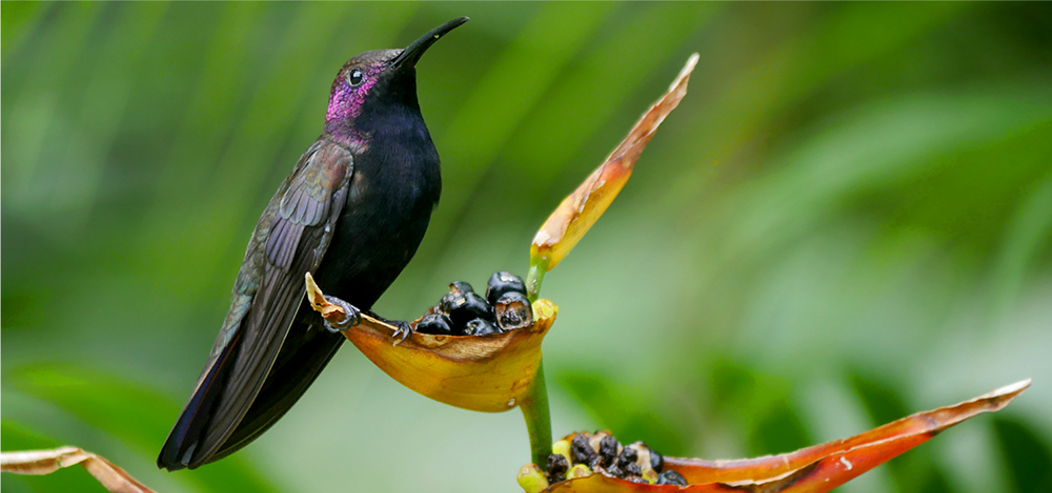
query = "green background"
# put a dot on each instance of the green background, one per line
(847, 220)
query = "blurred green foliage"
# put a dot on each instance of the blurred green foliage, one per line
(848, 219)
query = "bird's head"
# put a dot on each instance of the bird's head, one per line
(378, 81)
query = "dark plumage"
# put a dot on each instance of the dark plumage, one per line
(352, 212)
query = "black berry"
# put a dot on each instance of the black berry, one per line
(557, 467)
(628, 456)
(581, 450)
(460, 287)
(656, 460)
(633, 469)
(503, 282)
(435, 324)
(479, 327)
(468, 306)
(608, 450)
(457, 290)
(513, 311)
(671, 477)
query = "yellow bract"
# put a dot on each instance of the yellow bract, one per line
(490, 373)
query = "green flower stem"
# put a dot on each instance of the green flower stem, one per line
(535, 405)
(538, 419)
(538, 267)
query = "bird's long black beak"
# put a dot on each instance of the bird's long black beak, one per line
(412, 53)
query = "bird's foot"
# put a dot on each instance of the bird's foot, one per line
(351, 315)
(402, 329)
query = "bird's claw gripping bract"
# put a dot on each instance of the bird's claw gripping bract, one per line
(352, 316)
(402, 331)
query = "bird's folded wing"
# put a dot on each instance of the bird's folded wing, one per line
(301, 219)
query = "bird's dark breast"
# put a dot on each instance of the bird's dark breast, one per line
(394, 188)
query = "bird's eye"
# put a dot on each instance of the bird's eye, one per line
(354, 77)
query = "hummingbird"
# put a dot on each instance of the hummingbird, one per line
(352, 212)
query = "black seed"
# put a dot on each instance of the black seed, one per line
(513, 311)
(581, 450)
(656, 460)
(558, 463)
(479, 327)
(435, 324)
(557, 467)
(460, 287)
(628, 456)
(503, 282)
(671, 477)
(447, 303)
(608, 450)
(457, 290)
(615, 471)
(469, 306)
(633, 469)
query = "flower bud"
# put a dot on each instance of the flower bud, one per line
(578, 471)
(532, 479)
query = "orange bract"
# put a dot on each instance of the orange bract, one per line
(578, 211)
(490, 373)
(814, 469)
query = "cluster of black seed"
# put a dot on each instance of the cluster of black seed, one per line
(601, 452)
(462, 312)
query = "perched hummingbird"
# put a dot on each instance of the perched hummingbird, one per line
(353, 212)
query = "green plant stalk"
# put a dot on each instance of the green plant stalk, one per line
(538, 267)
(538, 419)
(535, 405)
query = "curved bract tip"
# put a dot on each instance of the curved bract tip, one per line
(582, 208)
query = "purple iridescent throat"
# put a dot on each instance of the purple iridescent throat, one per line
(345, 104)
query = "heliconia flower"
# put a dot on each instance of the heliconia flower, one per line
(815, 469)
(490, 373)
(578, 211)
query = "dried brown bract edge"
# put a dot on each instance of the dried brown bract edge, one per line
(39, 462)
